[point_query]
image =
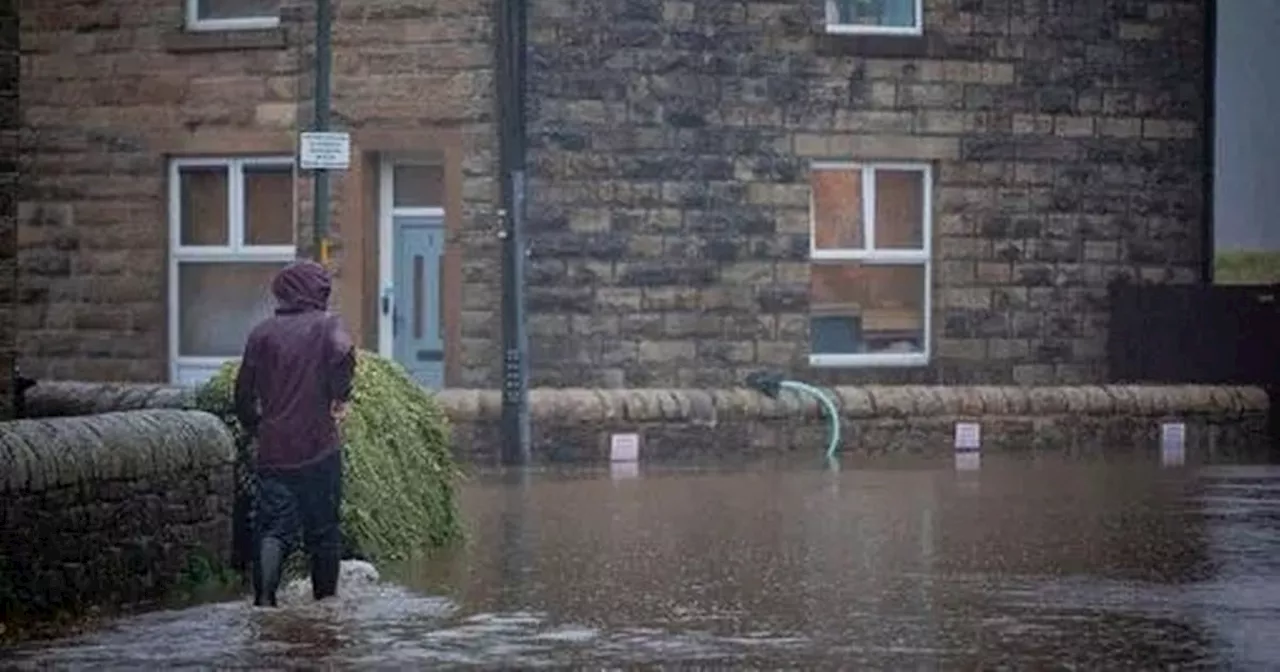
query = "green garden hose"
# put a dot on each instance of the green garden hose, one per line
(772, 384)
(833, 414)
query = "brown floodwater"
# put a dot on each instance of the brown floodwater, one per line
(1021, 564)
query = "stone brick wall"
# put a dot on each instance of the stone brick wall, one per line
(671, 143)
(734, 423)
(9, 125)
(670, 192)
(112, 89)
(108, 509)
(716, 426)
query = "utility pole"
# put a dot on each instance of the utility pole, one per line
(510, 59)
(324, 61)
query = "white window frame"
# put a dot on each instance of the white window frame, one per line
(235, 251)
(197, 24)
(869, 255)
(835, 26)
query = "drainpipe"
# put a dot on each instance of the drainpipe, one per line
(510, 59)
(324, 61)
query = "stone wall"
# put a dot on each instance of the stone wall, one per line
(727, 424)
(1086, 421)
(108, 509)
(670, 179)
(670, 150)
(9, 128)
(112, 89)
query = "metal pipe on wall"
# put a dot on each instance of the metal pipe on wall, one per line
(324, 62)
(510, 58)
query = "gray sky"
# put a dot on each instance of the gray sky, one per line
(1247, 157)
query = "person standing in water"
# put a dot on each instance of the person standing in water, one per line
(292, 391)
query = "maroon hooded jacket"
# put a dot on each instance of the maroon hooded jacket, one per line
(296, 364)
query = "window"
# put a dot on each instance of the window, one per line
(870, 276)
(232, 14)
(875, 17)
(232, 229)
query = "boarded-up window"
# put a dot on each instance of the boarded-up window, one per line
(869, 282)
(235, 9)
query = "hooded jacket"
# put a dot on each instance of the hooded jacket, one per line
(296, 365)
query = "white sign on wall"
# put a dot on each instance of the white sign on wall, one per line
(624, 448)
(968, 436)
(324, 151)
(1173, 444)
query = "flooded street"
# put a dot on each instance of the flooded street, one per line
(1021, 565)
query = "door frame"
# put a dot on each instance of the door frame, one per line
(387, 212)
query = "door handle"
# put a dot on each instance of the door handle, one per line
(386, 300)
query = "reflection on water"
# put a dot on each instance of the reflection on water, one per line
(1022, 564)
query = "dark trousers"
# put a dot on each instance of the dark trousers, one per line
(307, 500)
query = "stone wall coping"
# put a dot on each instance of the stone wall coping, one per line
(44, 454)
(709, 406)
(57, 398)
(569, 406)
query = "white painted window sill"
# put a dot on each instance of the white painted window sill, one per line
(225, 25)
(883, 360)
(883, 31)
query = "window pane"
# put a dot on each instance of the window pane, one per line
(899, 209)
(418, 308)
(418, 186)
(861, 308)
(203, 205)
(268, 205)
(893, 13)
(837, 209)
(237, 9)
(219, 303)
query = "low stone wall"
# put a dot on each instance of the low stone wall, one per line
(109, 509)
(55, 399)
(575, 424)
(891, 420)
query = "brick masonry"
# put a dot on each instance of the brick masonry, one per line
(670, 144)
(9, 125)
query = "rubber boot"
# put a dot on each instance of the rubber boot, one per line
(325, 567)
(266, 572)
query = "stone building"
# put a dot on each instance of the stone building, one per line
(8, 202)
(851, 190)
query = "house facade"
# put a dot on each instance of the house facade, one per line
(9, 128)
(933, 191)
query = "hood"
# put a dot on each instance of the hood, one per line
(302, 286)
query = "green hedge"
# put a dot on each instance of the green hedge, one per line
(400, 479)
(1246, 268)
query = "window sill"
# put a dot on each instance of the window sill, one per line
(184, 41)
(193, 372)
(875, 42)
(855, 29)
(869, 361)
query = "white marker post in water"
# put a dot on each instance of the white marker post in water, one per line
(1173, 444)
(968, 446)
